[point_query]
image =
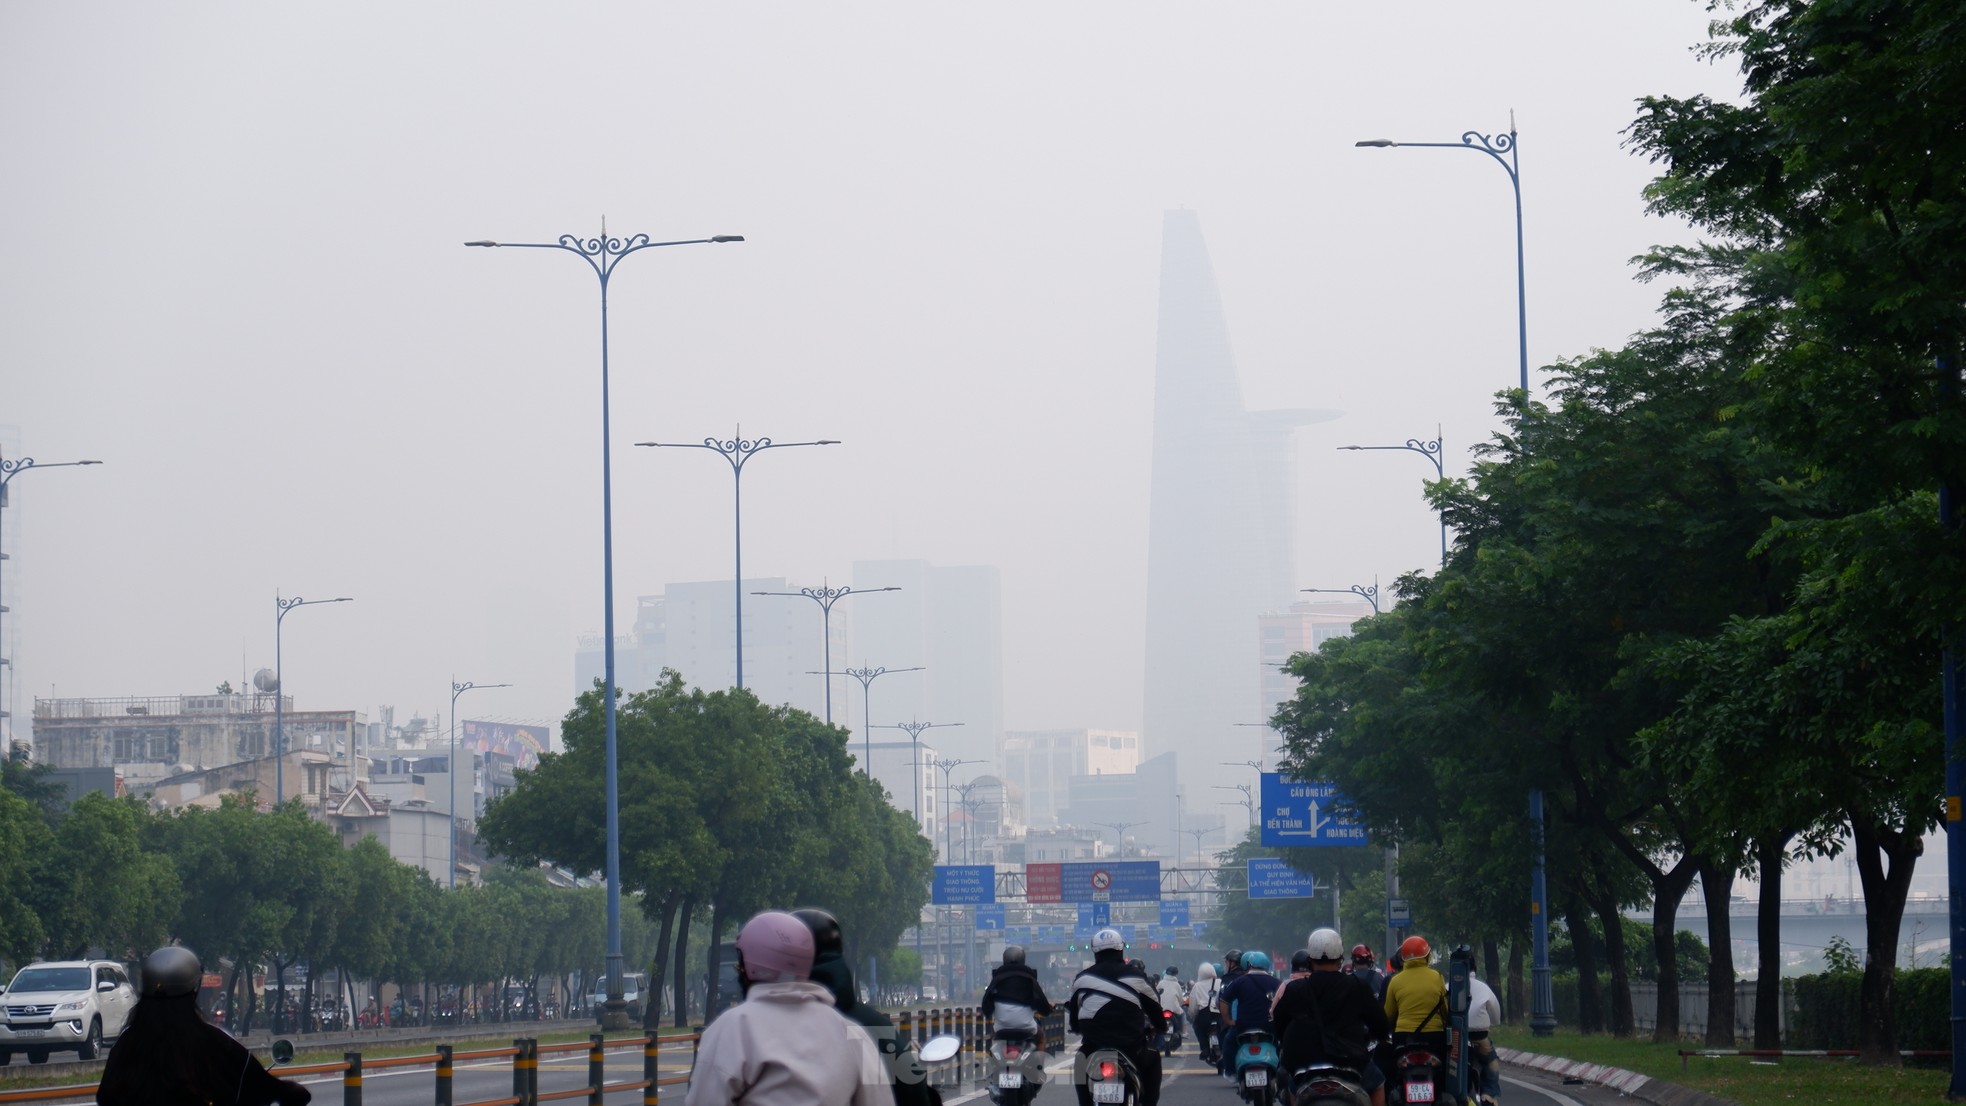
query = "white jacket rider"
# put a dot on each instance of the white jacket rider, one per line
(1173, 996)
(1204, 990)
(786, 1044)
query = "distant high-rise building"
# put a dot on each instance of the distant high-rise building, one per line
(690, 628)
(1038, 765)
(946, 619)
(1222, 514)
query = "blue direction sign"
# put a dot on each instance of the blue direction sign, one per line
(1298, 814)
(1017, 935)
(990, 917)
(1052, 935)
(1273, 879)
(964, 884)
(1174, 912)
(1109, 881)
(1094, 915)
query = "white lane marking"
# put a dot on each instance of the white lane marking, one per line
(1561, 1098)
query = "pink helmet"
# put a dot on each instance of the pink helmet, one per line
(775, 947)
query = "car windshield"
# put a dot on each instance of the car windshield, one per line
(31, 980)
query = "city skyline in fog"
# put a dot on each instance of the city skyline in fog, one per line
(237, 278)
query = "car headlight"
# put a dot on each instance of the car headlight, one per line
(76, 1005)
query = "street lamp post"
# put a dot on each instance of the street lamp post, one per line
(280, 691)
(1198, 834)
(1369, 594)
(9, 470)
(737, 450)
(826, 597)
(948, 765)
(1247, 802)
(914, 730)
(1431, 451)
(1542, 1003)
(1119, 830)
(867, 676)
(602, 255)
(458, 689)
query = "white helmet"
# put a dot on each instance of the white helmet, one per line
(1325, 944)
(1108, 938)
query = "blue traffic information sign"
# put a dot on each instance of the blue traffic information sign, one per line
(1174, 912)
(990, 916)
(964, 884)
(1274, 879)
(1094, 915)
(1296, 813)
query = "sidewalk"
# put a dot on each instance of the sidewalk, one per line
(1644, 1088)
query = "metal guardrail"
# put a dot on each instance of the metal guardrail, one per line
(914, 1026)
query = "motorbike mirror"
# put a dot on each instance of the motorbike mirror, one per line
(938, 1049)
(283, 1051)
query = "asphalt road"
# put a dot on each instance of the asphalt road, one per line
(1186, 1083)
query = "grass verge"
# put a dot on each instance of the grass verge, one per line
(1817, 1081)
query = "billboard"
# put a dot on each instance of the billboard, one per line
(523, 744)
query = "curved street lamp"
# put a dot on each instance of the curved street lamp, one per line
(914, 730)
(826, 597)
(458, 689)
(603, 254)
(737, 450)
(1431, 451)
(9, 470)
(867, 676)
(280, 691)
(1369, 594)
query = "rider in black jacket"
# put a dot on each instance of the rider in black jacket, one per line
(1115, 1006)
(1014, 1000)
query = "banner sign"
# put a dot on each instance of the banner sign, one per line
(1093, 881)
(523, 744)
(1273, 879)
(964, 884)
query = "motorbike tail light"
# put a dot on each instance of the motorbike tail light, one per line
(1012, 1051)
(1420, 1059)
(1253, 1050)
(1108, 1069)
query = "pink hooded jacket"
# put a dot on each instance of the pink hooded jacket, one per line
(786, 1044)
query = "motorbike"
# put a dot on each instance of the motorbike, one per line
(1020, 1067)
(1205, 1039)
(1418, 1076)
(1168, 1040)
(1256, 1066)
(1112, 1078)
(1328, 1084)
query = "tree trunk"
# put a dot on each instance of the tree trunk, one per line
(1717, 888)
(1668, 887)
(1518, 985)
(1590, 995)
(687, 909)
(232, 1003)
(665, 928)
(307, 1002)
(1770, 855)
(710, 984)
(1491, 970)
(1884, 912)
(1605, 902)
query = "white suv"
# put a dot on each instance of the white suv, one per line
(63, 1006)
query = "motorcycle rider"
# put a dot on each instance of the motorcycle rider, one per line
(1014, 1000)
(1114, 1006)
(831, 971)
(1173, 999)
(785, 1044)
(1416, 1000)
(1232, 970)
(1245, 1002)
(1300, 966)
(1363, 967)
(1331, 1015)
(1484, 1013)
(1201, 1007)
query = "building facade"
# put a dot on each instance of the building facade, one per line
(947, 620)
(1038, 766)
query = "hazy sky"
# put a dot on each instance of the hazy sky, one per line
(233, 272)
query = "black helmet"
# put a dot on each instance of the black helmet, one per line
(1172, 970)
(825, 930)
(1233, 958)
(1013, 954)
(1138, 966)
(172, 972)
(1300, 961)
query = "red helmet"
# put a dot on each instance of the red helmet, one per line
(774, 947)
(1361, 954)
(1415, 948)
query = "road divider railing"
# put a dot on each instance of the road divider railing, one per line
(915, 1027)
(1819, 1053)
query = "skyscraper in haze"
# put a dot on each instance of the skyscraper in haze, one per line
(1221, 524)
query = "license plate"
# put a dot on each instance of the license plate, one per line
(1109, 1092)
(1256, 1077)
(1419, 1092)
(1010, 1079)
(30, 1032)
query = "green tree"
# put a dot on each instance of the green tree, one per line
(96, 884)
(24, 836)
